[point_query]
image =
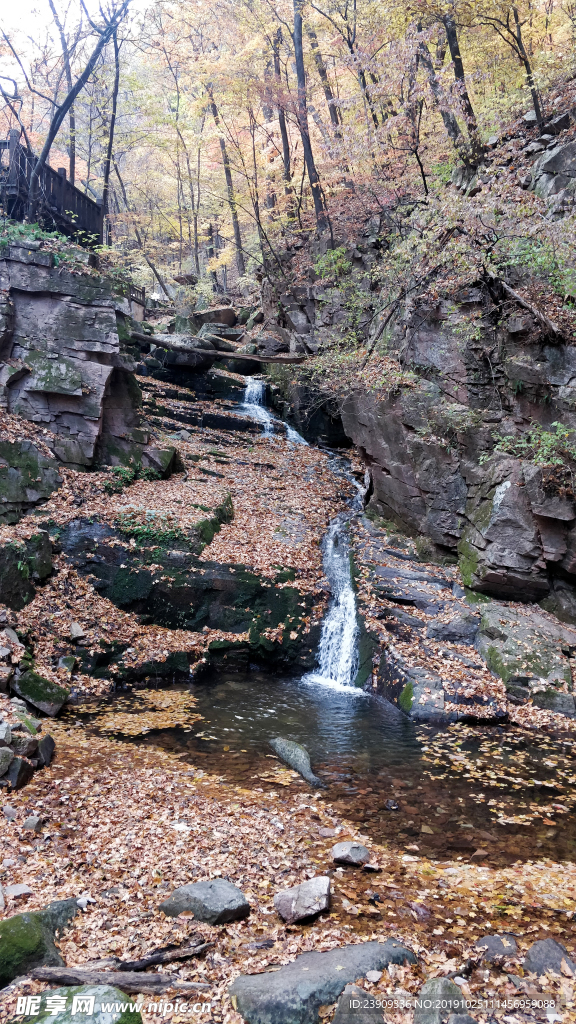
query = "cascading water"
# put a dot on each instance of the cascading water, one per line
(254, 405)
(338, 650)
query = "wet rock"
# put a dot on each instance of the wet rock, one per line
(350, 853)
(547, 955)
(304, 900)
(19, 773)
(215, 902)
(83, 1004)
(460, 630)
(294, 994)
(495, 947)
(297, 757)
(351, 1008)
(27, 940)
(436, 1000)
(42, 693)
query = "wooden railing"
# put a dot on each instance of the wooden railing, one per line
(60, 205)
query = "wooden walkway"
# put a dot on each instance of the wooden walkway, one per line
(61, 206)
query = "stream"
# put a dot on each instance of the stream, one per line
(497, 793)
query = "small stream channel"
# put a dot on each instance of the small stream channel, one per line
(454, 793)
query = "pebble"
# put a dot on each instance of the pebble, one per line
(373, 976)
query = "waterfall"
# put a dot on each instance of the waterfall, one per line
(338, 651)
(254, 405)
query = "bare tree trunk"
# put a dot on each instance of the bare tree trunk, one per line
(527, 66)
(281, 115)
(230, 188)
(71, 115)
(454, 47)
(154, 270)
(450, 122)
(61, 111)
(110, 147)
(313, 176)
(333, 110)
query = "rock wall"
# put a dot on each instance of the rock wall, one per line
(63, 364)
(429, 449)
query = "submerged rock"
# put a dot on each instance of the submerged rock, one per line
(297, 757)
(215, 902)
(304, 900)
(27, 940)
(294, 994)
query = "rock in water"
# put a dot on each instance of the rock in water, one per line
(297, 757)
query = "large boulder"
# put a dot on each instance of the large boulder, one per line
(27, 940)
(42, 693)
(528, 649)
(28, 475)
(555, 170)
(22, 564)
(294, 994)
(215, 902)
(85, 1004)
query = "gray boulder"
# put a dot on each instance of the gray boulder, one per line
(438, 999)
(495, 947)
(350, 853)
(45, 695)
(305, 900)
(215, 902)
(46, 748)
(297, 757)
(351, 1007)
(19, 773)
(547, 955)
(27, 940)
(88, 1004)
(6, 758)
(294, 994)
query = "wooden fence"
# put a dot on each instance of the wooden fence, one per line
(60, 205)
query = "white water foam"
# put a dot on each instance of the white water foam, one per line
(338, 651)
(254, 405)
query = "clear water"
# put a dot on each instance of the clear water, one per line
(254, 405)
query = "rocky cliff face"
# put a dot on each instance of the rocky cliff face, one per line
(64, 365)
(429, 450)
